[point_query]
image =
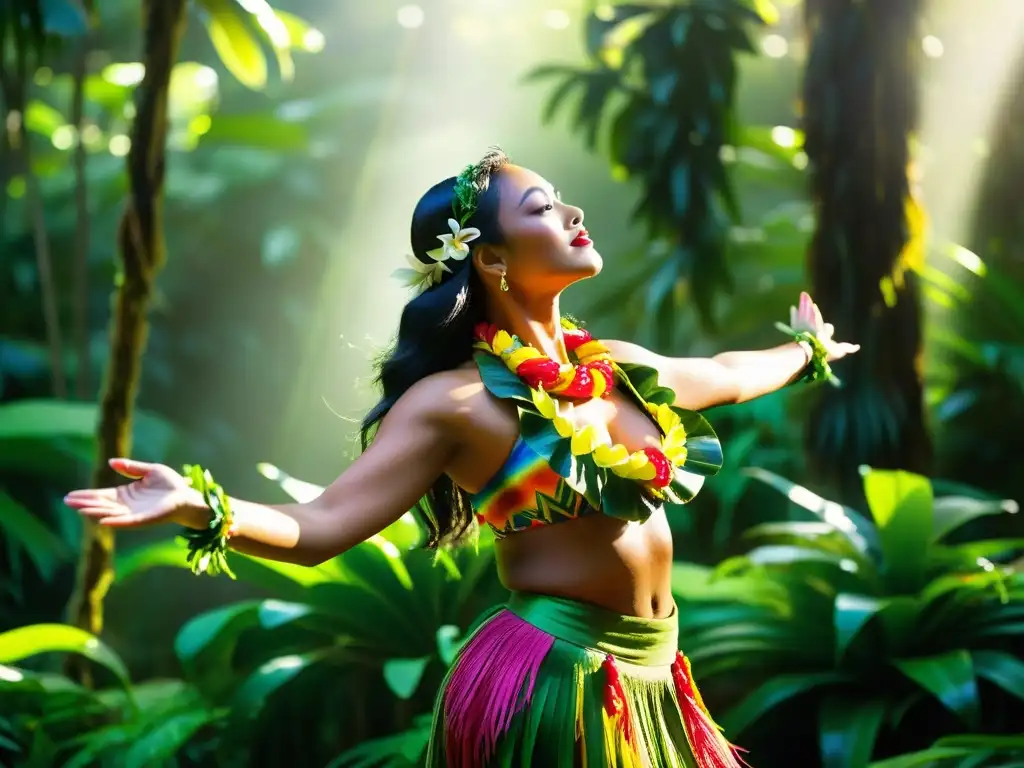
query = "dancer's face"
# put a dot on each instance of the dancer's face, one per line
(545, 246)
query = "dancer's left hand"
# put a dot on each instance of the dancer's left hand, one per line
(807, 317)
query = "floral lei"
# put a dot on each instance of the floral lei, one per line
(624, 484)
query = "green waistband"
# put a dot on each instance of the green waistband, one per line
(630, 638)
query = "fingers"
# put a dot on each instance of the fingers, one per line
(131, 468)
(90, 497)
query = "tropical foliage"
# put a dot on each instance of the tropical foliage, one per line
(894, 629)
(888, 637)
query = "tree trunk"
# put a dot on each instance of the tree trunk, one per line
(860, 107)
(141, 250)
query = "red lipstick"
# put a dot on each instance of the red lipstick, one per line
(582, 240)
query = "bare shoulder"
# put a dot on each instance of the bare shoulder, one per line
(446, 398)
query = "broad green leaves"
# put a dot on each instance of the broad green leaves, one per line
(874, 619)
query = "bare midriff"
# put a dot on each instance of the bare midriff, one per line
(624, 567)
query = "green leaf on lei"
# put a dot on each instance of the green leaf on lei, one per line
(626, 500)
(642, 381)
(499, 380)
(684, 486)
(544, 440)
(703, 448)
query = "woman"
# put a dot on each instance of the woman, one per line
(497, 411)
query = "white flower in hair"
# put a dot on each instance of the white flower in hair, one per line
(420, 275)
(455, 245)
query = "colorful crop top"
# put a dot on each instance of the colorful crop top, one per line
(526, 493)
(551, 476)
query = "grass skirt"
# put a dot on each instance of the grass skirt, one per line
(547, 681)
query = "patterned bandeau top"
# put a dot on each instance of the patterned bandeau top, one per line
(526, 493)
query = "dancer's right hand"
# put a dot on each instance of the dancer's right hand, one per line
(157, 495)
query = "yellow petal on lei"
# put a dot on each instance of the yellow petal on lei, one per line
(676, 455)
(564, 427)
(565, 376)
(674, 438)
(545, 404)
(639, 467)
(521, 355)
(502, 341)
(590, 351)
(667, 418)
(600, 385)
(584, 441)
(611, 455)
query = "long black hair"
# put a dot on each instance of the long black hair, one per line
(436, 333)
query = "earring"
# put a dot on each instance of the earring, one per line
(504, 283)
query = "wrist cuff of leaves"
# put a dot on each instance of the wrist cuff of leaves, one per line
(817, 368)
(207, 547)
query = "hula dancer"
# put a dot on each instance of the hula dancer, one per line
(501, 413)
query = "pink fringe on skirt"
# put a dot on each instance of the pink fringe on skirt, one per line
(492, 681)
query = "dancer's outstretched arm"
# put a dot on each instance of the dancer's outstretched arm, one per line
(412, 448)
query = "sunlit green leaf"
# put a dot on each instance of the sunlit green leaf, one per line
(252, 696)
(21, 643)
(951, 512)
(901, 503)
(219, 627)
(234, 43)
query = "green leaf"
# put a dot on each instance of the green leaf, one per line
(901, 503)
(449, 642)
(951, 512)
(28, 427)
(1002, 669)
(252, 696)
(771, 694)
(403, 676)
(852, 613)
(950, 678)
(624, 499)
(847, 730)
(542, 437)
(21, 643)
(499, 380)
(21, 528)
(215, 633)
(848, 522)
(703, 449)
(235, 45)
(162, 742)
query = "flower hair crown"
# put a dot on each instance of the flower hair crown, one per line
(454, 245)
